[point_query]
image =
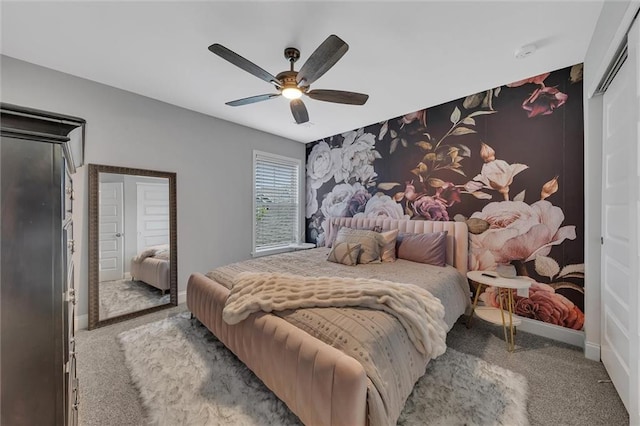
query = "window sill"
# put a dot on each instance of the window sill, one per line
(268, 252)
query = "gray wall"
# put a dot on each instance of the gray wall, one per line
(613, 23)
(212, 159)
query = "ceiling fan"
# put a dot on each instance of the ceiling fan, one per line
(293, 84)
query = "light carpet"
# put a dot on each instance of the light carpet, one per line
(186, 376)
(125, 296)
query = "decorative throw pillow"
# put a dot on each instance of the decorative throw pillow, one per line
(388, 245)
(368, 240)
(345, 253)
(331, 241)
(430, 248)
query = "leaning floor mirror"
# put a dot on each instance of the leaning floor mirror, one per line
(132, 243)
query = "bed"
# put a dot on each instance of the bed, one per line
(321, 384)
(151, 266)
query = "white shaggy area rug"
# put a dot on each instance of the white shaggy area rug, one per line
(125, 296)
(185, 376)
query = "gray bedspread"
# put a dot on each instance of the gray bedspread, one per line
(374, 338)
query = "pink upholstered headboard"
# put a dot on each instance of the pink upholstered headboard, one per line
(457, 235)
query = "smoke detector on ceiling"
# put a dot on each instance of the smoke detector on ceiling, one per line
(524, 51)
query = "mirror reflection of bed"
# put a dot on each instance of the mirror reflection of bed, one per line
(133, 249)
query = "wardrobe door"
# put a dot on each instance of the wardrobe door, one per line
(31, 278)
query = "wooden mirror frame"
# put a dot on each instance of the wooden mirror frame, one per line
(94, 294)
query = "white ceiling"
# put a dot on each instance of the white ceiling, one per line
(406, 56)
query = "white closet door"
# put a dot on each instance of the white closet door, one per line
(111, 225)
(620, 208)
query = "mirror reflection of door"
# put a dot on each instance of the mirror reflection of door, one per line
(111, 226)
(153, 214)
(133, 243)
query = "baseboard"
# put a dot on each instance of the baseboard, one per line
(554, 332)
(592, 351)
(182, 297)
(82, 322)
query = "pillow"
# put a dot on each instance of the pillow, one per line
(345, 253)
(387, 241)
(428, 248)
(368, 240)
(376, 228)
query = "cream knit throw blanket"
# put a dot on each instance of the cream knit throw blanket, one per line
(419, 312)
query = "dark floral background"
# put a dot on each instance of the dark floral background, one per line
(508, 161)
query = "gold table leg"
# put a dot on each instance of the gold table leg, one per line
(504, 325)
(475, 304)
(513, 342)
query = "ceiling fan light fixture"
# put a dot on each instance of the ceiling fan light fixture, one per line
(291, 92)
(293, 84)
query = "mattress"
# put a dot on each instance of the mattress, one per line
(446, 283)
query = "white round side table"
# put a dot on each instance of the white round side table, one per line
(505, 287)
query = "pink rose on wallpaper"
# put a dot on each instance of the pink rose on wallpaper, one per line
(358, 202)
(543, 304)
(498, 175)
(538, 79)
(430, 208)
(543, 101)
(448, 194)
(480, 259)
(410, 192)
(421, 116)
(519, 231)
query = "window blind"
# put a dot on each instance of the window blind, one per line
(276, 196)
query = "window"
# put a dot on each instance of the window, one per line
(275, 202)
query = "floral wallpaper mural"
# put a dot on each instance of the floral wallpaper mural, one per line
(508, 161)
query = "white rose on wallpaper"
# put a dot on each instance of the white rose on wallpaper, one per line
(336, 203)
(311, 199)
(355, 158)
(383, 205)
(519, 231)
(341, 170)
(320, 165)
(498, 175)
(364, 173)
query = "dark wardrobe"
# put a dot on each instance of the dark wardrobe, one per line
(39, 151)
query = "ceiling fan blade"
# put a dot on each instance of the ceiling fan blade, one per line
(253, 99)
(243, 63)
(299, 111)
(338, 96)
(323, 58)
